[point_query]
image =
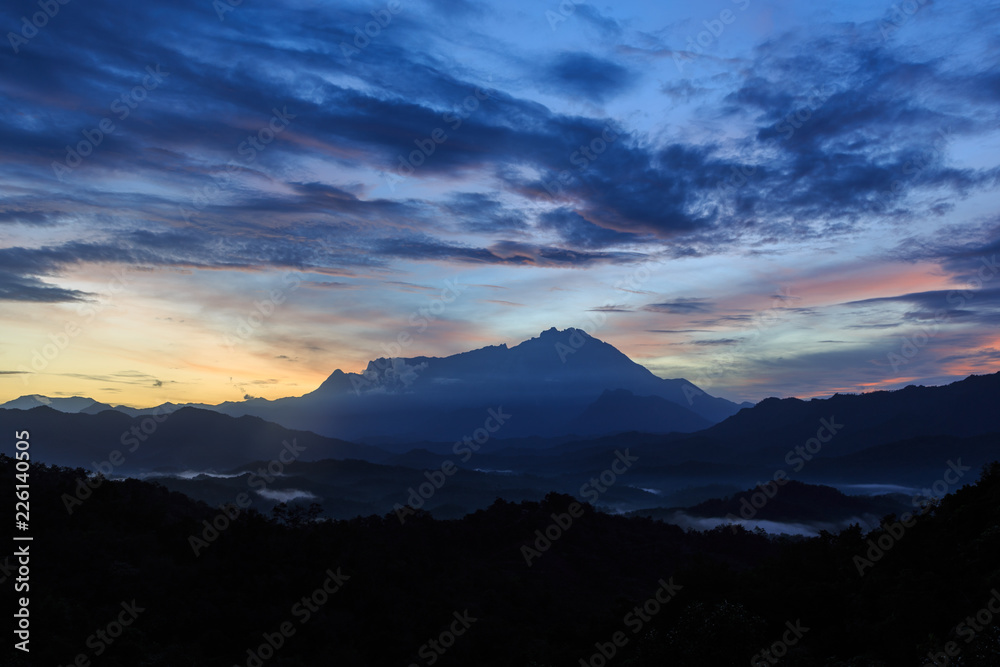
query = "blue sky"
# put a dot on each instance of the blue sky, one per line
(203, 201)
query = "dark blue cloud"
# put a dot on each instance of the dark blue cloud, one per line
(850, 125)
(588, 76)
(479, 212)
(935, 308)
(685, 306)
(577, 231)
(855, 126)
(29, 216)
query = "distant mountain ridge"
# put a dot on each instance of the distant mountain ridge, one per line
(904, 436)
(71, 404)
(968, 407)
(187, 438)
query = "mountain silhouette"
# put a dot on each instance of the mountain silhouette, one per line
(546, 384)
(964, 408)
(62, 404)
(905, 436)
(187, 439)
(551, 385)
(648, 414)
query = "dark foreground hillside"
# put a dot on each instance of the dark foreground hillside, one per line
(117, 583)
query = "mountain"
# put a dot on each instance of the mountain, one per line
(552, 386)
(796, 501)
(913, 429)
(956, 423)
(962, 409)
(96, 408)
(71, 404)
(548, 385)
(884, 438)
(648, 414)
(187, 439)
(915, 461)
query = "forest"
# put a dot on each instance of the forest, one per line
(549, 583)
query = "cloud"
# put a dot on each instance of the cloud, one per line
(862, 133)
(574, 152)
(605, 25)
(577, 231)
(677, 331)
(966, 251)
(22, 270)
(26, 288)
(585, 75)
(681, 306)
(877, 325)
(504, 303)
(716, 341)
(937, 299)
(328, 285)
(287, 495)
(29, 217)
(872, 118)
(479, 212)
(121, 377)
(512, 252)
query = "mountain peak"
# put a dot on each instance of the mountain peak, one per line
(552, 332)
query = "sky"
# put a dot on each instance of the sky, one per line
(204, 201)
